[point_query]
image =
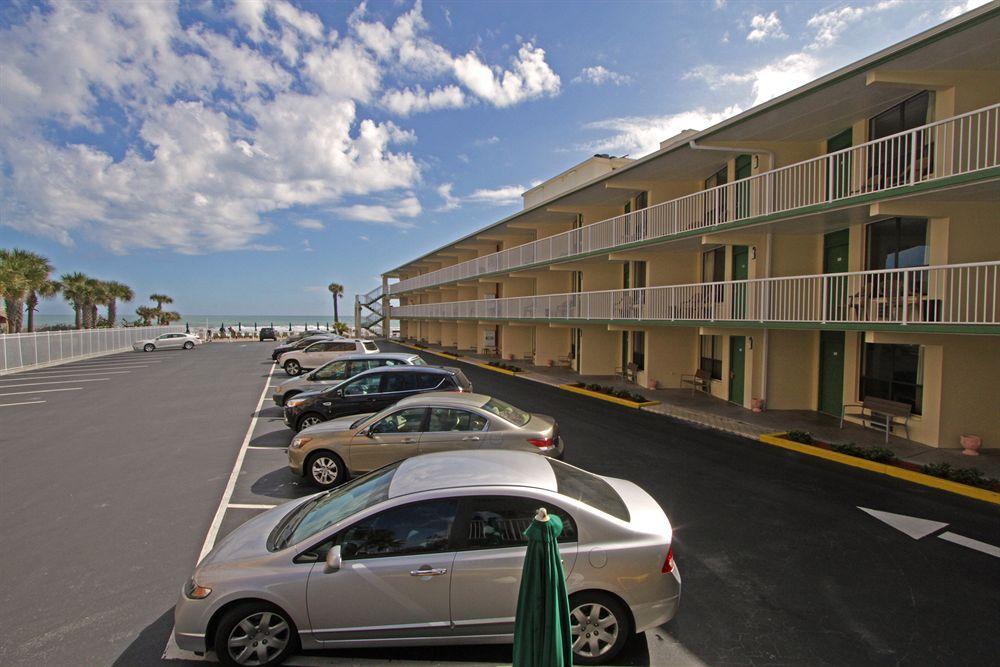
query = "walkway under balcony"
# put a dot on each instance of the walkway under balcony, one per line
(946, 153)
(701, 408)
(953, 298)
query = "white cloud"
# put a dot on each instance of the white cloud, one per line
(363, 238)
(394, 214)
(502, 196)
(640, 135)
(720, 4)
(451, 202)
(309, 223)
(767, 81)
(599, 75)
(765, 27)
(530, 77)
(406, 101)
(221, 124)
(960, 8)
(488, 141)
(830, 24)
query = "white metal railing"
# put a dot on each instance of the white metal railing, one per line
(374, 295)
(21, 352)
(951, 147)
(955, 294)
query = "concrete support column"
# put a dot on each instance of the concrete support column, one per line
(357, 315)
(386, 308)
(516, 340)
(600, 350)
(551, 344)
(465, 335)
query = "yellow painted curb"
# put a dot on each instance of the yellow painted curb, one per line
(605, 397)
(884, 469)
(465, 360)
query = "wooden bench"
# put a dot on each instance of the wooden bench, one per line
(880, 414)
(701, 379)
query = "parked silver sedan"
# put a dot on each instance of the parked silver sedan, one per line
(429, 551)
(331, 452)
(167, 341)
(339, 370)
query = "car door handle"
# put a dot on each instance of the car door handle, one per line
(471, 437)
(409, 440)
(429, 572)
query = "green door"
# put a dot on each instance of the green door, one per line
(839, 183)
(743, 171)
(831, 372)
(835, 255)
(741, 271)
(737, 368)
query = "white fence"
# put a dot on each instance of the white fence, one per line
(25, 351)
(951, 147)
(956, 294)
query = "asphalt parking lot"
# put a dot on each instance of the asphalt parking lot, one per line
(112, 489)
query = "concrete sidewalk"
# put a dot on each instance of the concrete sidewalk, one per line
(700, 408)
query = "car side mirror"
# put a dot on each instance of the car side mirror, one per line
(333, 559)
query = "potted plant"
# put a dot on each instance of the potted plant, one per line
(971, 444)
(757, 404)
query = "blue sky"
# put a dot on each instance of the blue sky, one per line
(240, 156)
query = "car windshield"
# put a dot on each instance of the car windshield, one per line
(588, 488)
(505, 410)
(336, 505)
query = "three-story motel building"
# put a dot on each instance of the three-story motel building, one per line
(837, 242)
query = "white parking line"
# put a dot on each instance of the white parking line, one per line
(57, 377)
(213, 530)
(10, 405)
(39, 384)
(248, 506)
(38, 391)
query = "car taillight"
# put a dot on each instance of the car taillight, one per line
(541, 443)
(668, 563)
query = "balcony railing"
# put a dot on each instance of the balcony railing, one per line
(957, 294)
(951, 147)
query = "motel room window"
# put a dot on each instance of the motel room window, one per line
(711, 356)
(897, 243)
(713, 270)
(639, 350)
(894, 372)
(906, 115)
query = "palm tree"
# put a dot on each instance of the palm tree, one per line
(45, 289)
(167, 316)
(337, 291)
(74, 289)
(14, 266)
(146, 314)
(115, 291)
(160, 299)
(96, 296)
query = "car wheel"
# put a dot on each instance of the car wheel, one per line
(148, 347)
(188, 345)
(309, 419)
(255, 633)
(325, 469)
(600, 627)
(292, 367)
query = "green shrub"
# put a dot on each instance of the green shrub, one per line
(805, 437)
(970, 476)
(877, 454)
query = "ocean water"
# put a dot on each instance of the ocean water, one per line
(283, 322)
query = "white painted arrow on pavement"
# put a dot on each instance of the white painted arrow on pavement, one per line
(918, 528)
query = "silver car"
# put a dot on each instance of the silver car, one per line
(429, 551)
(331, 452)
(339, 370)
(167, 341)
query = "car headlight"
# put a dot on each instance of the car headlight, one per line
(300, 441)
(195, 592)
(295, 402)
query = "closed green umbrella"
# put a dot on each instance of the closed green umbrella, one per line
(542, 636)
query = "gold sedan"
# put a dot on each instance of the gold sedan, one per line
(331, 452)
